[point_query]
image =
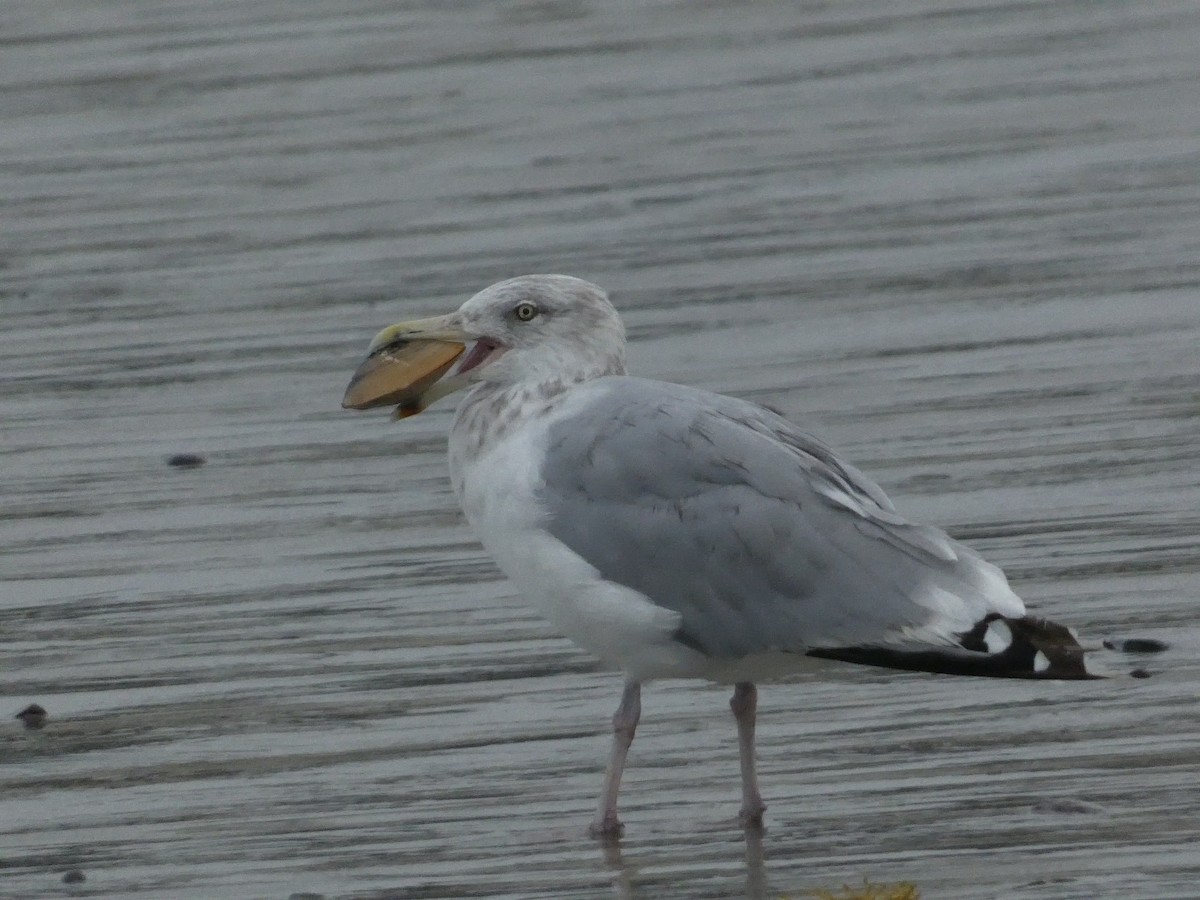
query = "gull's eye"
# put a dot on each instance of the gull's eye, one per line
(525, 312)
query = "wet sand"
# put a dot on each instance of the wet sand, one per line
(960, 242)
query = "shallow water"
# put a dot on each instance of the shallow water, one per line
(961, 242)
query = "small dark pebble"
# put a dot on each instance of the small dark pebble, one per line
(74, 877)
(1136, 645)
(186, 460)
(1140, 673)
(33, 716)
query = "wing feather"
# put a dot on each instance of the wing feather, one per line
(757, 534)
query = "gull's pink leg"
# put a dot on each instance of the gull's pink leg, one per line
(606, 824)
(744, 704)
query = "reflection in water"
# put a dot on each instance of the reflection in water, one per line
(625, 875)
(756, 876)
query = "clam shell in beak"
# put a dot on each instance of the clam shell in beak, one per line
(397, 374)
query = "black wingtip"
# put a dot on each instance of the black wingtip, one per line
(1027, 647)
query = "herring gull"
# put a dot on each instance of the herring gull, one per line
(674, 532)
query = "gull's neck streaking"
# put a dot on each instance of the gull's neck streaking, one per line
(496, 407)
(576, 337)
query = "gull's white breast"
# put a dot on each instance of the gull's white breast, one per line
(498, 487)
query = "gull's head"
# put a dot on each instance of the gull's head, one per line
(535, 328)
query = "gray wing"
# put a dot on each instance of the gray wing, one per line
(755, 533)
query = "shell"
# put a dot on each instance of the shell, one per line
(398, 374)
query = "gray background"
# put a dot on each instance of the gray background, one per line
(959, 240)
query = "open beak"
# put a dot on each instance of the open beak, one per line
(435, 328)
(407, 364)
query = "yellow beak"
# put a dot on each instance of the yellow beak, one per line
(435, 328)
(404, 363)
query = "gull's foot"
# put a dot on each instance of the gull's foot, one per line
(751, 816)
(606, 828)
